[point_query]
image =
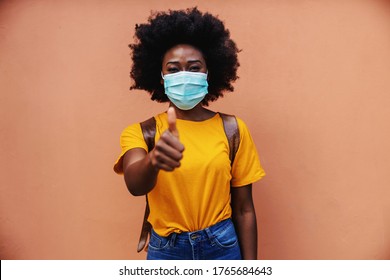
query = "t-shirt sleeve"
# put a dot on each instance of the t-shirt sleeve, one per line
(246, 167)
(130, 138)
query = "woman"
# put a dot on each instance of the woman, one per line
(187, 58)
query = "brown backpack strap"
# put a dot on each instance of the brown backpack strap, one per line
(148, 128)
(232, 132)
(149, 131)
(145, 230)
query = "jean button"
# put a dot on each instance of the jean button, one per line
(194, 236)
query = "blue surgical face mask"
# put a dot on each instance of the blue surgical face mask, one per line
(185, 89)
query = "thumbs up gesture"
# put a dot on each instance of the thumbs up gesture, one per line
(172, 122)
(168, 150)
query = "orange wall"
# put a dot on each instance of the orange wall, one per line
(314, 90)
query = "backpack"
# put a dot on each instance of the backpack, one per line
(148, 128)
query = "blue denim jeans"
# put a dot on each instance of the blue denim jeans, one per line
(218, 242)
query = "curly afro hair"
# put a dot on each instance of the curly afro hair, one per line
(167, 29)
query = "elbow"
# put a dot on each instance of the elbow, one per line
(137, 184)
(135, 192)
(243, 213)
(136, 189)
(132, 188)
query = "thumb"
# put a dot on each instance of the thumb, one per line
(172, 122)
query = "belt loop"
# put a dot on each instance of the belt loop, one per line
(210, 236)
(173, 239)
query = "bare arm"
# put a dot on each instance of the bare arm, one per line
(141, 168)
(244, 219)
(139, 173)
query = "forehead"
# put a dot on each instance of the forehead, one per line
(183, 53)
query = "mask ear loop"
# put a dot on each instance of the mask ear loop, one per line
(162, 75)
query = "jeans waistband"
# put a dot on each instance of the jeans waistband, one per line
(199, 235)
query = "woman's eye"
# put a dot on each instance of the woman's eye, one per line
(194, 68)
(172, 70)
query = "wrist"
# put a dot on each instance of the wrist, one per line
(152, 164)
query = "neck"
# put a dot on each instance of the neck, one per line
(198, 113)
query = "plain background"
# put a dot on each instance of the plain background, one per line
(314, 90)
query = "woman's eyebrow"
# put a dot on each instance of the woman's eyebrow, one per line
(172, 61)
(195, 60)
(188, 62)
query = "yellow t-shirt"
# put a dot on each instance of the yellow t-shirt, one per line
(197, 194)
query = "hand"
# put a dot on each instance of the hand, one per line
(168, 151)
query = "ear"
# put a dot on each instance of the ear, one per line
(161, 80)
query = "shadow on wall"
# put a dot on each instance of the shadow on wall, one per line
(6, 242)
